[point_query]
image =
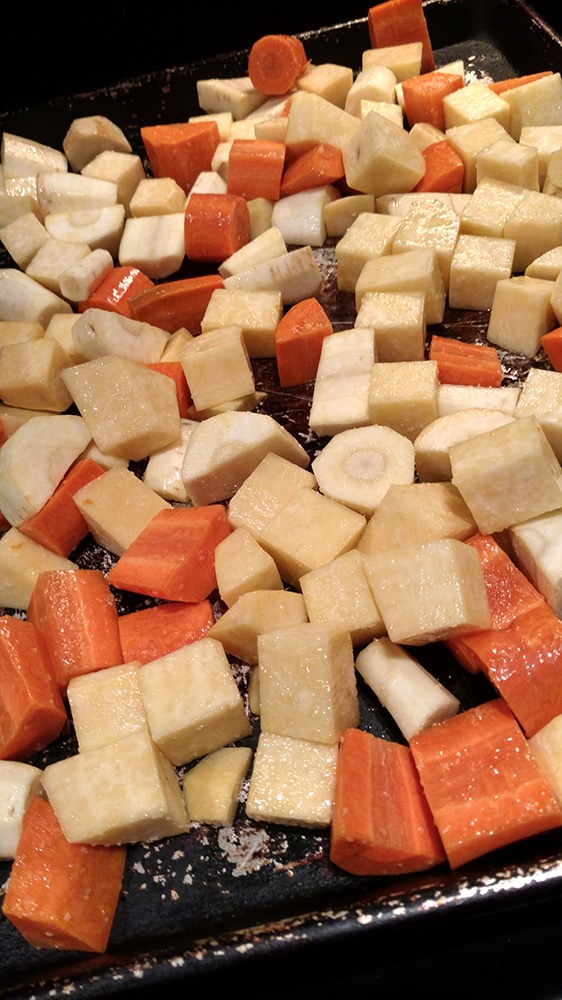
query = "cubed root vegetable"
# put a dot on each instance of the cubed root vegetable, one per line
(552, 345)
(461, 363)
(381, 823)
(323, 164)
(173, 558)
(216, 226)
(181, 151)
(444, 169)
(116, 290)
(298, 341)
(397, 22)
(176, 304)
(276, 62)
(484, 787)
(62, 895)
(423, 97)
(32, 712)
(500, 86)
(174, 370)
(152, 632)
(255, 168)
(76, 613)
(59, 525)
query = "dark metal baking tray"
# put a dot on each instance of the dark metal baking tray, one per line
(235, 907)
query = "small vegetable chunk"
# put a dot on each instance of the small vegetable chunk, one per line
(292, 782)
(276, 62)
(212, 788)
(18, 783)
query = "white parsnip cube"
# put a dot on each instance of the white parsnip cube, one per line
(411, 271)
(60, 328)
(236, 95)
(430, 224)
(521, 314)
(124, 169)
(217, 367)
(57, 192)
(17, 332)
(255, 612)
(293, 782)
(510, 162)
(327, 80)
(339, 594)
(548, 265)
(414, 698)
(403, 395)
(404, 59)
(257, 313)
(536, 226)
(266, 246)
(30, 375)
(90, 135)
(163, 469)
(478, 263)
(398, 322)
(369, 235)
(416, 513)
(100, 332)
(243, 566)
(372, 83)
(452, 398)
(192, 702)
(22, 238)
(98, 228)
(312, 119)
(546, 748)
(536, 103)
(154, 243)
(295, 274)
(433, 442)
(546, 139)
(21, 562)
(541, 395)
(96, 802)
(300, 217)
(429, 592)
(341, 213)
(274, 481)
(469, 139)
(212, 787)
(507, 475)
(537, 548)
(157, 196)
(23, 157)
(106, 705)
(472, 103)
(117, 506)
(489, 207)
(23, 298)
(380, 157)
(18, 783)
(341, 387)
(52, 259)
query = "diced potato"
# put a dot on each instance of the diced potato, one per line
(106, 705)
(536, 226)
(23, 298)
(217, 367)
(473, 103)
(469, 139)
(300, 217)
(257, 313)
(510, 162)
(430, 224)
(380, 157)
(536, 103)
(489, 207)
(411, 271)
(404, 59)
(18, 332)
(292, 782)
(369, 235)
(374, 83)
(313, 119)
(342, 212)
(212, 788)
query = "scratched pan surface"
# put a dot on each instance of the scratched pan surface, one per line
(213, 902)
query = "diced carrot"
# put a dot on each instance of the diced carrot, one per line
(216, 225)
(255, 168)
(174, 556)
(552, 346)
(323, 164)
(508, 590)
(298, 341)
(181, 151)
(117, 289)
(483, 785)
(381, 822)
(444, 169)
(62, 895)
(59, 525)
(275, 63)
(423, 97)
(500, 86)
(396, 22)
(459, 363)
(76, 613)
(174, 370)
(176, 304)
(32, 712)
(152, 632)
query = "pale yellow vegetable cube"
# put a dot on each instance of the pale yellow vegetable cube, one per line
(548, 265)
(21, 561)
(23, 237)
(124, 169)
(212, 787)
(541, 395)
(537, 548)
(217, 367)
(52, 259)
(478, 263)
(237, 96)
(339, 594)
(313, 119)
(430, 223)
(293, 782)
(429, 592)
(163, 470)
(380, 157)
(489, 207)
(521, 314)
(473, 103)
(452, 398)
(266, 490)
(342, 212)
(60, 329)
(257, 313)
(372, 83)
(536, 103)
(30, 375)
(398, 322)
(433, 442)
(18, 783)
(417, 513)
(403, 395)
(157, 196)
(341, 387)
(253, 613)
(268, 245)
(154, 243)
(410, 271)
(106, 705)
(19, 331)
(507, 475)
(536, 226)
(107, 392)
(327, 80)
(192, 702)
(546, 748)
(404, 60)
(242, 566)
(469, 139)
(90, 135)
(115, 794)
(546, 139)
(309, 531)
(307, 682)
(370, 235)
(393, 112)
(509, 162)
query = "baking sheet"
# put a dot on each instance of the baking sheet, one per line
(204, 903)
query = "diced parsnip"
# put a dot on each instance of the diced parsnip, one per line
(403, 395)
(451, 398)
(414, 698)
(398, 321)
(469, 139)
(473, 103)
(106, 391)
(309, 531)
(430, 224)
(30, 375)
(18, 783)
(327, 80)
(341, 388)
(400, 204)
(489, 207)
(369, 235)
(537, 547)
(417, 513)
(372, 83)
(339, 594)
(124, 169)
(252, 614)
(116, 507)
(507, 475)
(295, 274)
(22, 238)
(217, 367)
(34, 460)
(158, 196)
(548, 265)
(80, 280)
(425, 134)
(433, 442)
(411, 271)
(22, 298)
(393, 112)
(268, 488)
(52, 259)
(240, 405)
(307, 682)
(429, 592)
(521, 314)
(536, 225)
(163, 469)
(212, 788)
(541, 395)
(192, 702)
(313, 119)
(59, 328)
(341, 213)
(21, 561)
(380, 158)
(99, 332)
(96, 802)
(236, 95)
(358, 465)
(16, 204)
(99, 228)
(300, 217)
(223, 450)
(25, 158)
(58, 192)
(478, 263)
(268, 245)
(106, 705)
(292, 782)
(510, 162)
(547, 140)
(260, 211)
(91, 135)
(243, 566)
(404, 60)
(257, 313)
(19, 332)
(154, 243)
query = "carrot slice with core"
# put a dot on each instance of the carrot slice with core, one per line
(276, 62)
